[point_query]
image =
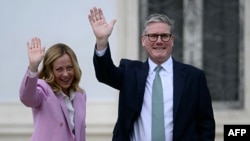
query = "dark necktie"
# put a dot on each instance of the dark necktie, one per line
(158, 130)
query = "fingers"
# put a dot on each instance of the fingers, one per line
(98, 14)
(43, 50)
(28, 45)
(35, 43)
(113, 22)
(101, 16)
(95, 15)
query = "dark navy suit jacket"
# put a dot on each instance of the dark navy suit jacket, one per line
(193, 118)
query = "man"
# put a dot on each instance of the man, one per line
(186, 110)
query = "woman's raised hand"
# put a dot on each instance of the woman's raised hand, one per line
(36, 53)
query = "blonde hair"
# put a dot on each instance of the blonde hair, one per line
(46, 73)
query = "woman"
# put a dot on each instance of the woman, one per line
(58, 103)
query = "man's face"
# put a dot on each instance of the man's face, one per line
(157, 49)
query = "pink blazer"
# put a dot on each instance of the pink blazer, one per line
(50, 114)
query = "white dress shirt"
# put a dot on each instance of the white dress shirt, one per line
(142, 127)
(69, 104)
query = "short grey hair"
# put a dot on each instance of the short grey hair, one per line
(155, 18)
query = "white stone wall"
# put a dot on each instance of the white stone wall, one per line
(16, 121)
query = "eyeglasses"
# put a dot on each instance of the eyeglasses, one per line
(154, 37)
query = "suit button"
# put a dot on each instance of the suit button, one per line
(61, 123)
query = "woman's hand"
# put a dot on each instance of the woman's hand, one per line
(36, 53)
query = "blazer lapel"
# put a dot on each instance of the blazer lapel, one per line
(142, 73)
(78, 116)
(179, 79)
(64, 109)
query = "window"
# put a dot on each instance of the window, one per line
(209, 35)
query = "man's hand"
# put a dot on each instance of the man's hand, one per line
(100, 27)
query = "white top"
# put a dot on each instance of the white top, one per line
(142, 127)
(68, 101)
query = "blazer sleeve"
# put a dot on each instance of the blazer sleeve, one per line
(106, 71)
(29, 92)
(206, 116)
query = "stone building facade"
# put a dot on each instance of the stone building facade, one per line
(197, 43)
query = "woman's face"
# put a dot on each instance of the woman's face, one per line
(64, 72)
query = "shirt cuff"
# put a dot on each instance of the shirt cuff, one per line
(100, 53)
(32, 74)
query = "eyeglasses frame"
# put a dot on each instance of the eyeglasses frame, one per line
(148, 35)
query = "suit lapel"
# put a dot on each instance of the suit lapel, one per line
(142, 73)
(64, 109)
(179, 79)
(178, 84)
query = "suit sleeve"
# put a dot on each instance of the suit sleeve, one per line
(206, 122)
(105, 70)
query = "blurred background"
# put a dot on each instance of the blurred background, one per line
(210, 34)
